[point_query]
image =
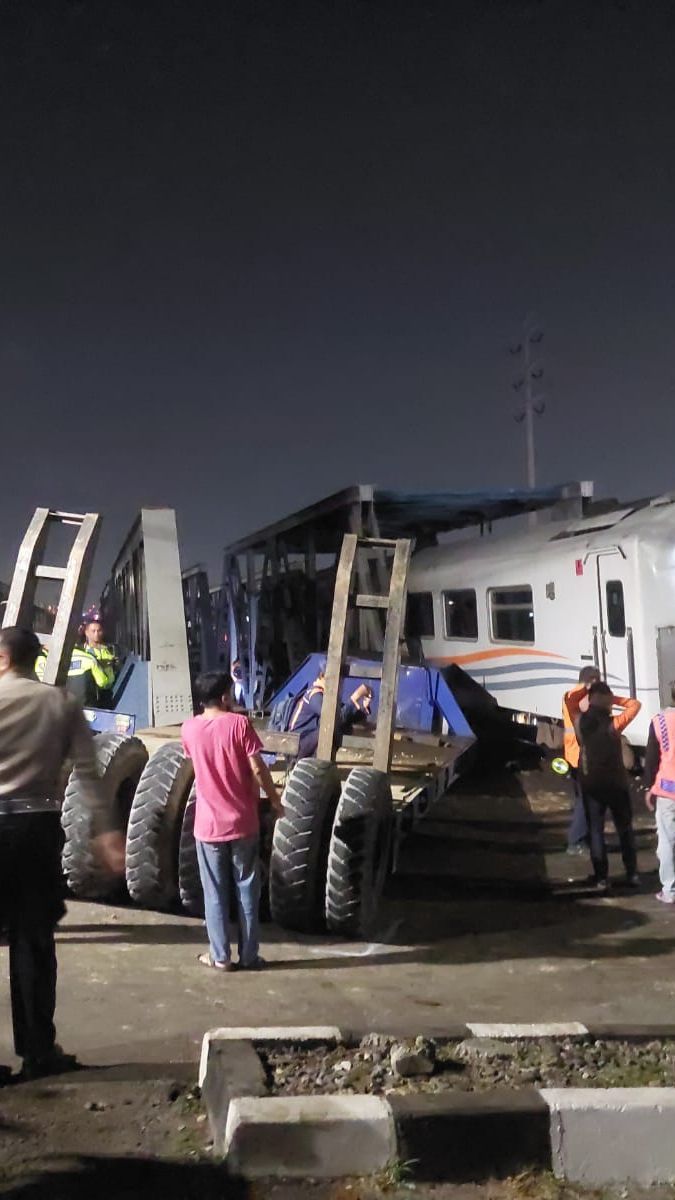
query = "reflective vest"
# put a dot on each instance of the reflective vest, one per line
(86, 676)
(664, 728)
(571, 710)
(105, 657)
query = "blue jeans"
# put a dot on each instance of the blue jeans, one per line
(218, 863)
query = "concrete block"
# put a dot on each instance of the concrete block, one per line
(470, 1136)
(505, 1030)
(309, 1136)
(268, 1033)
(608, 1135)
(228, 1069)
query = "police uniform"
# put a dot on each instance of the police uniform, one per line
(107, 662)
(88, 675)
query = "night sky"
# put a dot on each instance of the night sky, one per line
(253, 252)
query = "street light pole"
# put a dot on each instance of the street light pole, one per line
(532, 404)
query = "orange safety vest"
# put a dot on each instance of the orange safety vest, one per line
(571, 710)
(664, 728)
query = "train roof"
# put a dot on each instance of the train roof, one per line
(405, 514)
(645, 519)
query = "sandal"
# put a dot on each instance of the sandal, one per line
(207, 961)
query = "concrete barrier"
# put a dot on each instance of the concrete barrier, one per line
(588, 1135)
(612, 1135)
(259, 1034)
(309, 1137)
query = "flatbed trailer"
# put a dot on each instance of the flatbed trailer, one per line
(431, 744)
(346, 809)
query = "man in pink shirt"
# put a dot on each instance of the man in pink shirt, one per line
(229, 775)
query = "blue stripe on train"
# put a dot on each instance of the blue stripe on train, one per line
(489, 672)
(506, 685)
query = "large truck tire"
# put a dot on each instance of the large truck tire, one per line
(359, 853)
(155, 823)
(120, 760)
(189, 881)
(300, 846)
(267, 823)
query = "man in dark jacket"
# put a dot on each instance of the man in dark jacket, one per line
(604, 782)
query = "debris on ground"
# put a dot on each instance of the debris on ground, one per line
(379, 1065)
(97, 1113)
(408, 1061)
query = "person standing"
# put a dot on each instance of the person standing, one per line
(574, 703)
(229, 775)
(41, 728)
(95, 645)
(659, 781)
(238, 688)
(91, 675)
(604, 780)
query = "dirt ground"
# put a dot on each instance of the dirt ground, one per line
(487, 919)
(525, 1187)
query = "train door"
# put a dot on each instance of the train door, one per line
(612, 635)
(665, 653)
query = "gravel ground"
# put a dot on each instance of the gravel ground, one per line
(475, 1064)
(530, 1186)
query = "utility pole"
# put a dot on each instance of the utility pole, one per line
(531, 371)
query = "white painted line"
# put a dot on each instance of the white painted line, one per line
(612, 1135)
(309, 1136)
(552, 1029)
(364, 951)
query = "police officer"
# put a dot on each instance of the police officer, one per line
(94, 644)
(91, 673)
(40, 729)
(88, 681)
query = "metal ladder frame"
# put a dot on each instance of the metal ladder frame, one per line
(74, 578)
(346, 601)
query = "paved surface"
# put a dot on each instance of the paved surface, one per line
(487, 920)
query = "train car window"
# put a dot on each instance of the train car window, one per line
(512, 614)
(419, 621)
(616, 612)
(461, 614)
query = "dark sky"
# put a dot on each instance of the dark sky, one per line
(254, 251)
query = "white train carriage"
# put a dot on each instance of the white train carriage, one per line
(522, 613)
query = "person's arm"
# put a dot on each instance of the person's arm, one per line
(356, 709)
(263, 777)
(261, 773)
(101, 672)
(361, 698)
(631, 709)
(572, 701)
(108, 842)
(651, 767)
